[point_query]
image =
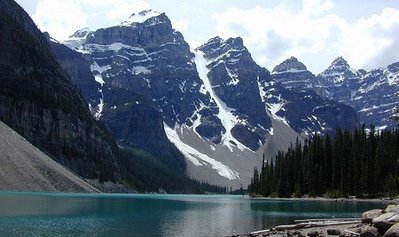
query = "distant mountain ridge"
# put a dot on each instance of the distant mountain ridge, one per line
(373, 93)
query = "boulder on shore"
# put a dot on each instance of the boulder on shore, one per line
(368, 216)
(392, 208)
(385, 221)
(369, 231)
(393, 231)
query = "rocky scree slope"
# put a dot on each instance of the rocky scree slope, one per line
(25, 168)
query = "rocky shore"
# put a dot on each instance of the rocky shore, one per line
(373, 223)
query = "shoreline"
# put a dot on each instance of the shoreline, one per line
(382, 200)
(376, 222)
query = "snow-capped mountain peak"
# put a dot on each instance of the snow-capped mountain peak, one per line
(140, 17)
(290, 65)
(82, 33)
(77, 39)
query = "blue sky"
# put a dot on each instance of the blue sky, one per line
(364, 32)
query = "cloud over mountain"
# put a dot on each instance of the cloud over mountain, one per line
(276, 33)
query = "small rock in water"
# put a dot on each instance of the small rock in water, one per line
(333, 232)
(368, 216)
(393, 231)
(369, 231)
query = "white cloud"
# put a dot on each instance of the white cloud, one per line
(312, 33)
(316, 7)
(121, 9)
(372, 42)
(181, 25)
(59, 17)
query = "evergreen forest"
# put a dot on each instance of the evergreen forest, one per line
(364, 163)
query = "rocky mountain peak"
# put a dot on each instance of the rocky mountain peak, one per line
(218, 42)
(141, 17)
(290, 65)
(338, 71)
(339, 64)
(218, 47)
(235, 42)
(215, 40)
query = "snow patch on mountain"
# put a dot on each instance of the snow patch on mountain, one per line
(234, 78)
(392, 77)
(198, 158)
(273, 108)
(291, 70)
(140, 17)
(140, 69)
(90, 48)
(97, 71)
(226, 116)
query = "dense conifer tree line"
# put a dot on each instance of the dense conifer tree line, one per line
(363, 164)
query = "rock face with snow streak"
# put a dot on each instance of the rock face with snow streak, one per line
(305, 111)
(233, 78)
(293, 74)
(374, 94)
(378, 96)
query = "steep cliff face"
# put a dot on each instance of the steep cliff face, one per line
(38, 100)
(78, 69)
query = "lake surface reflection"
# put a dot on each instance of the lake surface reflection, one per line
(44, 214)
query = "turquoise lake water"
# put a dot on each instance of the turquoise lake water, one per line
(44, 214)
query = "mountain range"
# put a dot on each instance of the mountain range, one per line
(211, 112)
(214, 103)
